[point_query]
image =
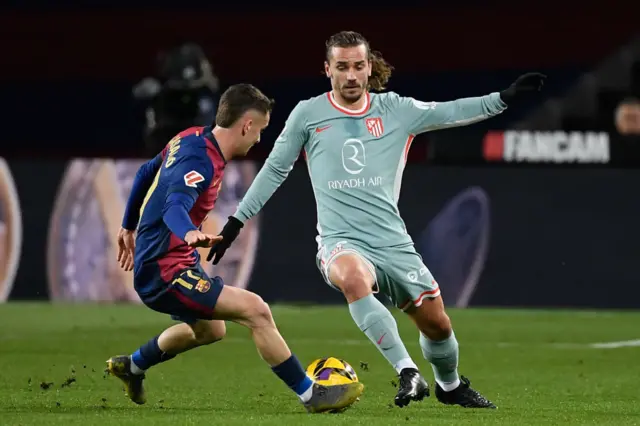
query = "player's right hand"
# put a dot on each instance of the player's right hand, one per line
(126, 248)
(199, 239)
(229, 233)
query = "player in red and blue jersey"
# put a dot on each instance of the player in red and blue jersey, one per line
(171, 197)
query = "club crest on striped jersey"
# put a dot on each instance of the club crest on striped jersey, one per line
(193, 178)
(374, 126)
(203, 286)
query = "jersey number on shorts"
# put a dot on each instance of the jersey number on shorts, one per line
(190, 280)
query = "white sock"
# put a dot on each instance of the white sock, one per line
(405, 363)
(306, 396)
(135, 369)
(448, 387)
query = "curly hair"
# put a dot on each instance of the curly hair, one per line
(380, 69)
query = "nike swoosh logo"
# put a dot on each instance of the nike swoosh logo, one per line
(382, 337)
(322, 129)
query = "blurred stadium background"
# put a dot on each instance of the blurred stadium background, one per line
(537, 208)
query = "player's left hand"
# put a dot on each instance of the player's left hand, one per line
(199, 239)
(524, 85)
(126, 248)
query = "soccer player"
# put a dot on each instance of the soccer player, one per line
(171, 197)
(356, 144)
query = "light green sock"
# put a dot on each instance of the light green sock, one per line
(443, 356)
(375, 320)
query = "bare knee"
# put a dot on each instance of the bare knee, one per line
(257, 313)
(352, 277)
(440, 328)
(431, 319)
(207, 332)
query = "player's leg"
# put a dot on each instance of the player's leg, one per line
(422, 301)
(440, 348)
(171, 342)
(351, 273)
(248, 309)
(175, 340)
(189, 298)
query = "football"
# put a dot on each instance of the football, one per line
(332, 371)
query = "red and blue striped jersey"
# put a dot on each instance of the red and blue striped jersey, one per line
(193, 164)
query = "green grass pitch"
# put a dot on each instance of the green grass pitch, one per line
(539, 367)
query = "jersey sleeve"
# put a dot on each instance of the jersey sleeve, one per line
(419, 117)
(141, 183)
(176, 213)
(279, 163)
(191, 173)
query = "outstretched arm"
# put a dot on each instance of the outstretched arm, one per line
(283, 156)
(190, 175)
(420, 117)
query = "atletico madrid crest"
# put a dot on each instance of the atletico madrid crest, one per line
(374, 126)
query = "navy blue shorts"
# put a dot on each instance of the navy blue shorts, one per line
(190, 296)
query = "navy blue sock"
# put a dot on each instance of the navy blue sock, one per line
(292, 373)
(149, 355)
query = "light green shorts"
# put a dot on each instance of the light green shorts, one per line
(399, 272)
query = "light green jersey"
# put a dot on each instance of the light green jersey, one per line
(356, 160)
